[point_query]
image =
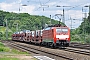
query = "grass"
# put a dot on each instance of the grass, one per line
(3, 48)
(12, 52)
(18, 52)
(1, 44)
(8, 58)
(6, 49)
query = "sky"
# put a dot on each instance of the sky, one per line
(72, 12)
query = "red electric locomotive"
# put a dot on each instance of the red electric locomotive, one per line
(56, 36)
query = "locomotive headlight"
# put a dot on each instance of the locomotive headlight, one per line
(66, 38)
(57, 38)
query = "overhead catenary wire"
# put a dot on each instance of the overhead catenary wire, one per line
(47, 1)
(76, 6)
(45, 4)
(42, 5)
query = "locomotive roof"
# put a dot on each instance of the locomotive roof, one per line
(56, 25)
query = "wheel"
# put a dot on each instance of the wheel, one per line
(53, 46)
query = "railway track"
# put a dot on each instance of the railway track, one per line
(37, 50)
(79, 45)
(68, 53)
(79, 51)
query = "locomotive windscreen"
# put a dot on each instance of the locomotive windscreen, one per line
(58, 30)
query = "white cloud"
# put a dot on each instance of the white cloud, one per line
(75, 13)
(5, 6)
(74, 1)
(14, 7)
(28, 9)
(51, 3)
(9, 6)
(59, 11)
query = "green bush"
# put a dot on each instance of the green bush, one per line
(75, 38)
(81, 38)
(87, 39)
(78, 38)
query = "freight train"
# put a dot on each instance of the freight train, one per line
(52, 36)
